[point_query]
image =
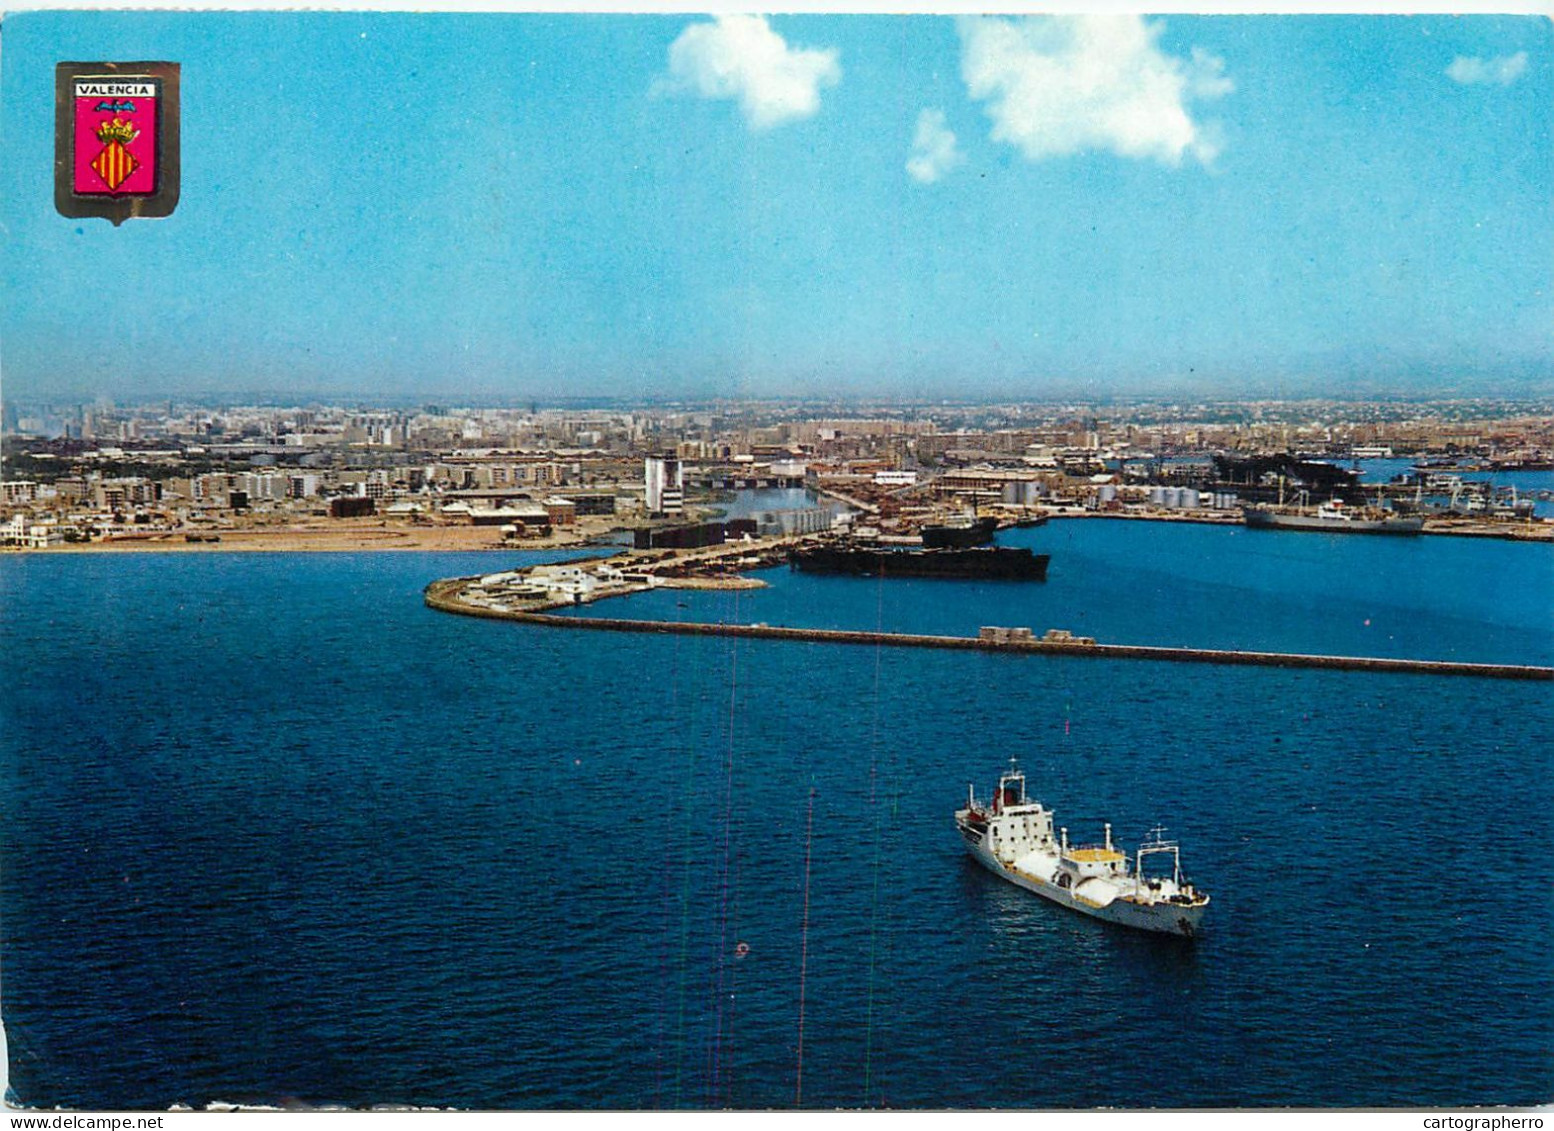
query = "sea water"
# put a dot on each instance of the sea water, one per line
(274, 832)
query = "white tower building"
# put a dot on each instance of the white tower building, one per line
(665, 485)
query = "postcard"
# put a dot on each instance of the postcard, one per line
(610, 562)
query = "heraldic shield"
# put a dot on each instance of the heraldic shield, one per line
(116, 139)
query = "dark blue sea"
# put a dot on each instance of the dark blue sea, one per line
(273, 831)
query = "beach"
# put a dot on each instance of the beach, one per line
(335, 535)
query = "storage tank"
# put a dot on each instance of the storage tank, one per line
(1190, 497)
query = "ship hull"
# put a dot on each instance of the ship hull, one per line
(996, 564)
(1158, 918)
(1258, 519)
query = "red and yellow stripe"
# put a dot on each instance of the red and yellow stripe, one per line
(114, 165)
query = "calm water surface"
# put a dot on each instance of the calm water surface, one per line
(273, 830)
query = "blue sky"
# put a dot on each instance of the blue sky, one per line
(584, 205)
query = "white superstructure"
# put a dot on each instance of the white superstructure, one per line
(1013, 837)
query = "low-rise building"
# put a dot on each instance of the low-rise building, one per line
(562, 512)
(22, 531)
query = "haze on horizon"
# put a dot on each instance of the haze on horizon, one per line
(686, 207)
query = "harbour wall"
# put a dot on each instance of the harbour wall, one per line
(443, 595)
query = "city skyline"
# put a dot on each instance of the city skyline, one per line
(741, 206)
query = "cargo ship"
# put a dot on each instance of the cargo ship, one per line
(1012, 837)
(1333, 518)
(990, 563)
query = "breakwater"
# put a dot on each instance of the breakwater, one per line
(444, 596)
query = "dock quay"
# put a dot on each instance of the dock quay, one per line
(449, 595)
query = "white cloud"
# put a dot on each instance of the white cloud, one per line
(741, 57)
(1502, 70)
(1060, 85)
(934, 152)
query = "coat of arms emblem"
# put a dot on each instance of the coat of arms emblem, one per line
(117, 134)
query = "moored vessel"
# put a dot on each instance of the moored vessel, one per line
(1012, 836)
(991, 563)
(1332, 517)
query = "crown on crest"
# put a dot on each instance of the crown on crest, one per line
(117, 130)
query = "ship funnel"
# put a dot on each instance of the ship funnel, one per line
(1108, 836)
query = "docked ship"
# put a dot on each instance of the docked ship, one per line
(959, 535)
(1012, 836)
(990, 563)
(1332, 517)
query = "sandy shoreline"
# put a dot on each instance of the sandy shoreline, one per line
(322, 540)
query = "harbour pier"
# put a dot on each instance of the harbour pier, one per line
(448, 596)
